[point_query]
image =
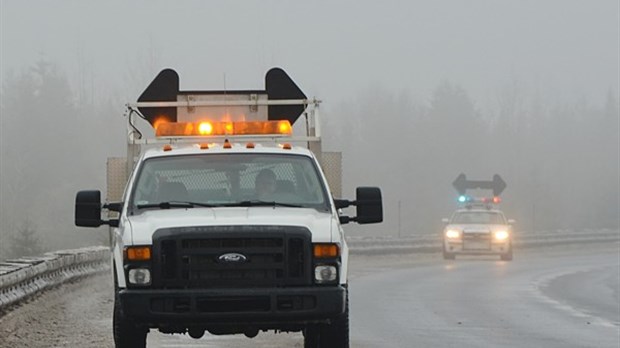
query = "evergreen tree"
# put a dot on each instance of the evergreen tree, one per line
(24, 242)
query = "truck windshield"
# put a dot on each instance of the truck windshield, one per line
(229, 180)
(478, 218)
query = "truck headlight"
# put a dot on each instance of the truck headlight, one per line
(453, 234)
(501, 235)
(325, 274)
(139, 276)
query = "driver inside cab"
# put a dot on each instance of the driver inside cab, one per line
(265, 185)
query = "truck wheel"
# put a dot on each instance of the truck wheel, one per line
(311, 336)
(337, 333)
(334, 335)
(126, 333)
(507, 256)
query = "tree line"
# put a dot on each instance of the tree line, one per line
(560, 160)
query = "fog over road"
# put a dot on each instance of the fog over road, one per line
(552, 297)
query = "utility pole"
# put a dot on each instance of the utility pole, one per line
(398, 218)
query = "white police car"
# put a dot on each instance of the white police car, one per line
(478, 229)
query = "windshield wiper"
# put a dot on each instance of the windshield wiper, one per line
(176, 204)
(257, 203)
(182, 204)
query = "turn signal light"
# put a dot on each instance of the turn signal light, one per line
(325, 250)
(138, 253)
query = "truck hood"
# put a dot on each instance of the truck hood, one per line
(143, 226)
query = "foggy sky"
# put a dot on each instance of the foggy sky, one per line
(561, 48)
(520, 64)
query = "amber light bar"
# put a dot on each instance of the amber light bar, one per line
(281, 127)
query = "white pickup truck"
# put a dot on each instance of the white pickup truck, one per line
(225, 224)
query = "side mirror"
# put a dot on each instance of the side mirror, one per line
(88, 210)
(512, 221)
(369, 205)
(445, 221)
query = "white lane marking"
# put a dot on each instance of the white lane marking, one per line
(544, 281)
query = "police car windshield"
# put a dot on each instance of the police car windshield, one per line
(474, 217)
(224, 180)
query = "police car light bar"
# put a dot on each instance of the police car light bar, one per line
(482, 200)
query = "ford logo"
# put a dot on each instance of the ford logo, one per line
(232, 258)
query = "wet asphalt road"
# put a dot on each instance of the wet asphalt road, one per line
(538, 300)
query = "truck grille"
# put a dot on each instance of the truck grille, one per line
(231, 256)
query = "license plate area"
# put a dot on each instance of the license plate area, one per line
(476, 241)
(476, 245)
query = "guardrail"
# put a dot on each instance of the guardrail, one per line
(24, 277)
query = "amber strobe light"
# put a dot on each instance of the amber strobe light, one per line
(169, 129)
(138, 253)
(325, 250)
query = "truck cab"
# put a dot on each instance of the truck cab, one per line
(227, 222)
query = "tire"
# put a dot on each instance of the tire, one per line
(311, 336)
(333, 335)
(507, 256)
(126, 333)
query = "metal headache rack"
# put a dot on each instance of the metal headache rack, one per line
(310, 113)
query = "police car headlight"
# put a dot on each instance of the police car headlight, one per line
(501, 235)
(453, 234)
(139, 276)
(325, 274)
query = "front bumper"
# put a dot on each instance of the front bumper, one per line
(266, 308)
(487, 248)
